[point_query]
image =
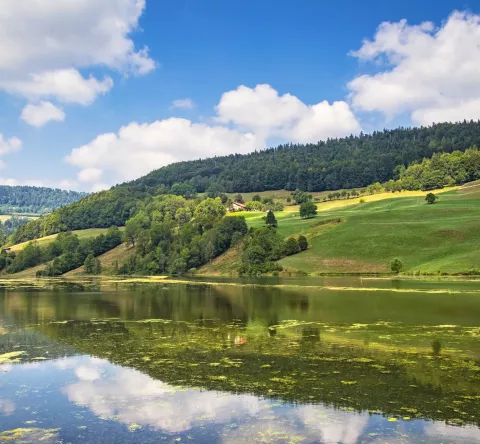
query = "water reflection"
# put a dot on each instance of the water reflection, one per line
(234, 364)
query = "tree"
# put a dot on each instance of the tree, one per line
(291, 246)
(431, 198)
(239, 198)
(208, 212)
(396, 265)
(302, 242)
(308, 210)
(256, 198)
(270, 219)
(88, 265)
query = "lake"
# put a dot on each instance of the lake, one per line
(306, 360)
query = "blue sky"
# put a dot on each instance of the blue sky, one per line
(71, 77)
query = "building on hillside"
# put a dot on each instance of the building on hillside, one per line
(237, 206)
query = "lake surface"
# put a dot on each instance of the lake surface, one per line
(324, 360)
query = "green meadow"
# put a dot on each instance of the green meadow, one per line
(354, 237)
(45, 241)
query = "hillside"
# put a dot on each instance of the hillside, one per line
(35, 200)
(352, 237)
(351, 162)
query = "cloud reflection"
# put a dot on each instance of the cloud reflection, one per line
(131, 397)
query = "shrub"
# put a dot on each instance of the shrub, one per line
(302, 242)
(396, 265)
(292, 246)
(431, 198)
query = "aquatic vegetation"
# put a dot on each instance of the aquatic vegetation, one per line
(30, 435)
(11, 357)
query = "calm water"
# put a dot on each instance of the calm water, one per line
(287, 361)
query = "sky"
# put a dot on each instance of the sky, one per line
(95, 93)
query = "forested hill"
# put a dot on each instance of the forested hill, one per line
(38, 200)
(350, 162)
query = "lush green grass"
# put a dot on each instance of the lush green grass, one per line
(439, 238)
(45, 241)
(443, 237)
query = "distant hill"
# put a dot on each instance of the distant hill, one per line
(35, 200)
(350, 162)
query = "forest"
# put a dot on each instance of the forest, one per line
(35, 200)
(351, 162)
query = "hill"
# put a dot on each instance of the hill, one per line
(352, 237)
(35, 200)
(351, 162)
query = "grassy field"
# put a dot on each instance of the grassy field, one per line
(44, 241)
(439, 238)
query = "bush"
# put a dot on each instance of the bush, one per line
(292, 246)
(302, 242)
(431, 198)
(396, 265)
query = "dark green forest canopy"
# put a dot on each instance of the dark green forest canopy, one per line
(350, 162)
(38, 200)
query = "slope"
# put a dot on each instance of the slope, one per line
(352, 237)
(108, 260)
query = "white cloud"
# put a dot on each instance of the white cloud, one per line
(67, 86)
(9, 145)
(64, 33)
(183, 103)
(39, 115)
(431, 73)
(139, 148)
(44, 57)
(90, 175)
(264, 111)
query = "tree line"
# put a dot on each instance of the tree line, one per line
(35, 200)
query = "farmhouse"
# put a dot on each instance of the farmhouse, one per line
(237, 206)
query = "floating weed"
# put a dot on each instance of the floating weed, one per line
(11, 357)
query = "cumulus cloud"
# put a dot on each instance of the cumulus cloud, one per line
(44, 57)
(90, 175)
(139, 148)
(183, 103)
(9, 145)
(264, 111)
(67, 86)
(44, 112)
(432, 73)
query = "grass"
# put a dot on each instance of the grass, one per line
(45, 241)
(430, 239)
(117, 255)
